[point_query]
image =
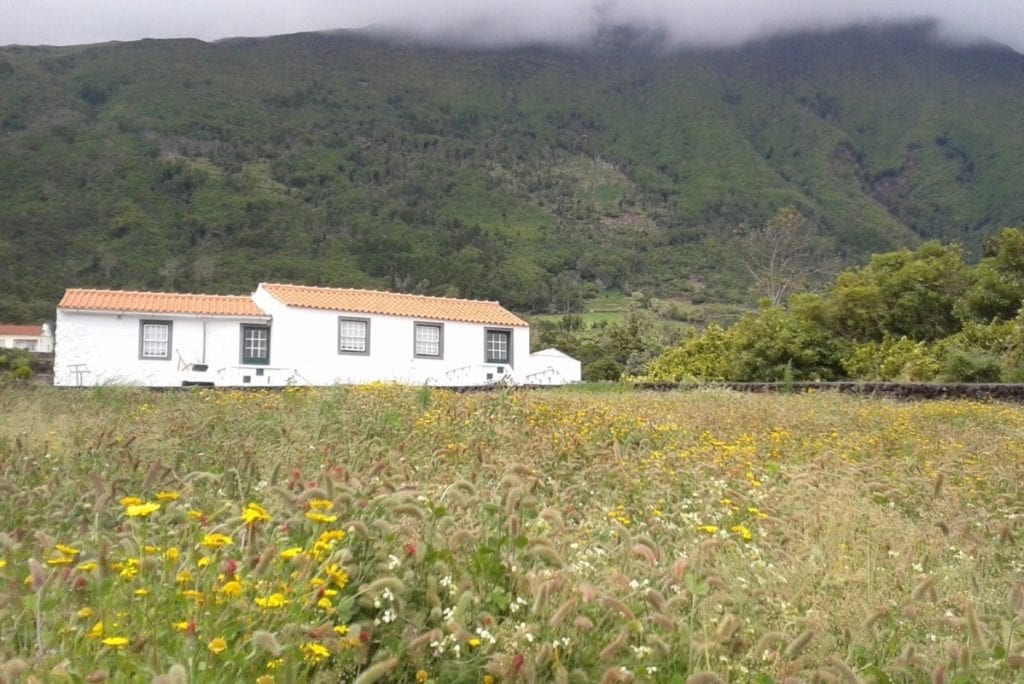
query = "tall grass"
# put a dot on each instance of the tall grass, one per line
(380, 533)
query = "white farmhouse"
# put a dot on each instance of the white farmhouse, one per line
(33, 338)
(295, 334)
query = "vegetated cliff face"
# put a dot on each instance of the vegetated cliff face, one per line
(518, 174)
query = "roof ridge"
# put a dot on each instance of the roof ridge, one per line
(155, 292)
(385, 292)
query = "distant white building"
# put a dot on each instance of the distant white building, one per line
(294, 334)
(33, 338)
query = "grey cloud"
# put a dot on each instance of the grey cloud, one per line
(492, 22)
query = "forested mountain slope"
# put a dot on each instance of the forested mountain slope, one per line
(520, 174)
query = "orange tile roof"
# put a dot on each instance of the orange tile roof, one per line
(160, 303)
(26, 330)
(393, 304)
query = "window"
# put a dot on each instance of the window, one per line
(154, 339)
(353, 335)
(428, 340)
(255, 344)
(25, 345)
(498, 346)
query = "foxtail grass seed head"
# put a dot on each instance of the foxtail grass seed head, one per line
(704, 678)
(939, 675)
(267, 642)
(797, 645)
(921, 589)
(13, 670)
(619, 607)
(656, 599)
(873, 619)
(410, 510)
(378, 672)
(1016, 597)
(37, 573)
(559, 616)
(553, 517)
(617, 675)
(645, 552)
(974, 634)
(612, 650)
(846, 673)
(546, 553)
(583, 623)
(513, 526)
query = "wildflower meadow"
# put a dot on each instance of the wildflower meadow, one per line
(388, 534)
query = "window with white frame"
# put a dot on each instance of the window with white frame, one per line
(255, 344)
(353, 335)
(155, 340)
(428, 340)
(498, 346)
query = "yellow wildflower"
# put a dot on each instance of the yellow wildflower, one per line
(320, 517)
(196, 515)
(193, 594)
(742, 531)
(96, 631)
(183, 577)
(203, 562)
(231, 588)
(182, 626)
(421, 676)
(324, 604)
(167, 496)
(85, 613)
(273, 601)
(341, 630)
(67, 550)
(265, 679)
(60, 560)
(337, 575)
(216, 540)
(84, 567)
(254, 513)
(474, 642)
(321, 504)
(115, 642)
(217, 646)
(131, 501)
(172, 554)
(3, 564)
(292, 552)
(151, 550)
(314, 653)
(141, 510)
(707, 529)
(142, 592)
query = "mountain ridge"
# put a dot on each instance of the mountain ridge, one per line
(529, 175)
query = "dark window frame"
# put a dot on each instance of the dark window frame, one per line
(142, 338)
(510, 335)
(253, 361)
(366, 338)
(440, 339)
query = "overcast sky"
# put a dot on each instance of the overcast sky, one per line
(498, 22)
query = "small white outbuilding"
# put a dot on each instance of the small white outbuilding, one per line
(33, 338)
(295, 334)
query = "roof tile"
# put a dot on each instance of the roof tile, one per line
(393, 304)
(160, 303)
(26, 330)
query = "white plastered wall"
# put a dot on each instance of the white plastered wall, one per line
(104, 348)
(307, 339)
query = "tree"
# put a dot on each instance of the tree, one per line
(784, 256)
